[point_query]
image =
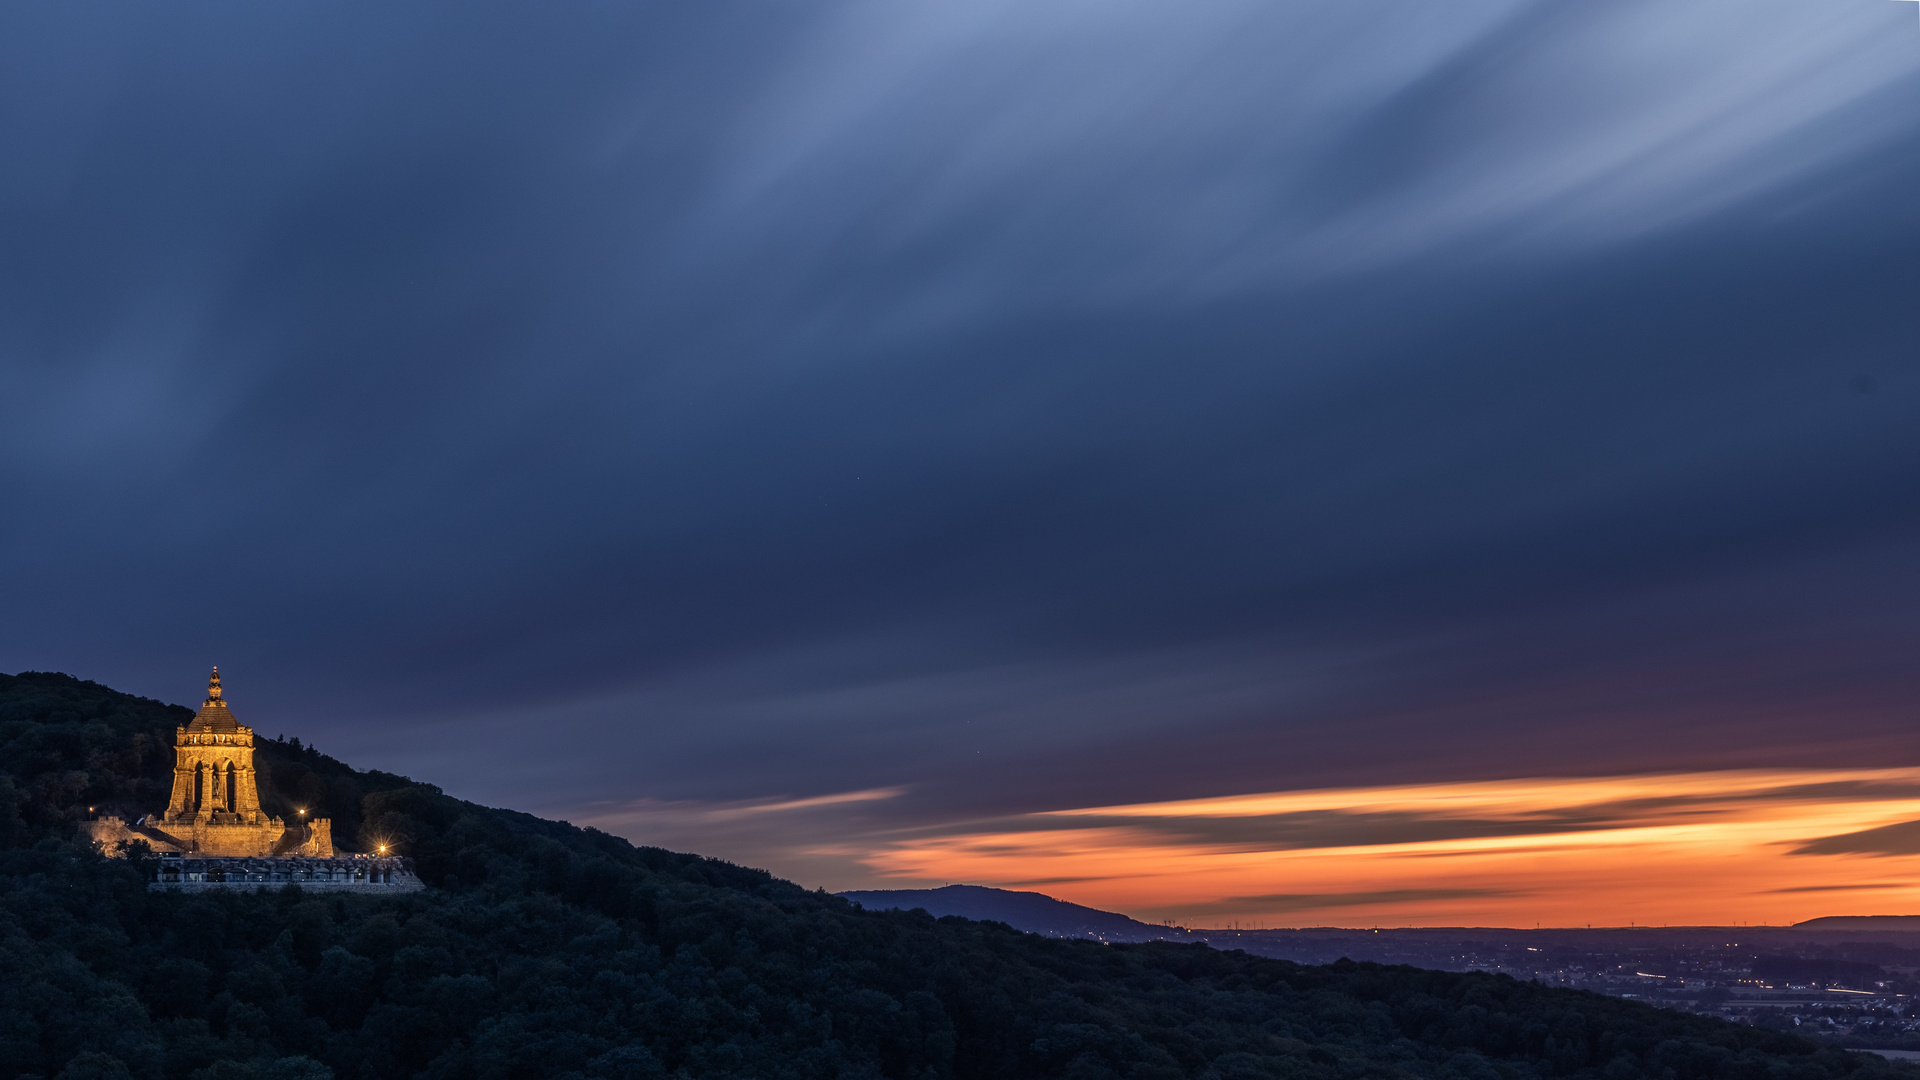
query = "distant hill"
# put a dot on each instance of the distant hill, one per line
(1908, 923)
(1035, 913)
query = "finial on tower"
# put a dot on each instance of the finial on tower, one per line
(213, 686)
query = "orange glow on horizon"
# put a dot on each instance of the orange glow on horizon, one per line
(1680, 849)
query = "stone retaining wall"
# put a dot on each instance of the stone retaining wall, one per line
(402, 883)
(373, 874)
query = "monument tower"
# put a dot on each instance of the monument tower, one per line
(215, 809)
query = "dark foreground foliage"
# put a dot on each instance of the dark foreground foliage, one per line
(549, 951)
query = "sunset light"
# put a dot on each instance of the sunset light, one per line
(1683, 848)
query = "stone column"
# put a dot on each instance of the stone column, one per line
(182, 801)
(246, 786)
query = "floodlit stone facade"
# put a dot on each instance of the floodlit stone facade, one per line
(215, 809)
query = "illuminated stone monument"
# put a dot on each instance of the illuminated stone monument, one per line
(215, 809)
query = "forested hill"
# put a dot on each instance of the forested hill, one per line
(542, 950)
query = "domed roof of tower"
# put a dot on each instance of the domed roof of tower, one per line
(214, 716)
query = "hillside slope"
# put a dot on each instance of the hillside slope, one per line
(544, 950)
(1905, 924)
(1035, 913)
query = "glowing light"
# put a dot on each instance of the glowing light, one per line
(1686, 849)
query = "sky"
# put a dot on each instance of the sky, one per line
(1299, 462)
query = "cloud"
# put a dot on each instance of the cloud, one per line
(738, 809)
(788, 805)
(1899, 839)
(1289, 140)
(1843, 888)
(1694, 848)
(1291, 903)
(799, 835)
(1022, 407)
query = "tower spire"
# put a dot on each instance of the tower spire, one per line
(213, 686)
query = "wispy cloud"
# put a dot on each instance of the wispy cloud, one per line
(919, 440)
(1902, 838)
(794, 834)
(1273, 904)
(1704, 847)
(1845, 888)
(785, 806)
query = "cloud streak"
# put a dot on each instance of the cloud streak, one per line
(1902, 838)
(1689, 848)
(1018, 406)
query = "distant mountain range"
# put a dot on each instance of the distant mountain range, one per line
(1038, 913)
(1035, 913)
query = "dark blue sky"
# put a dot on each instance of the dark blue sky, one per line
(1007, 406)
